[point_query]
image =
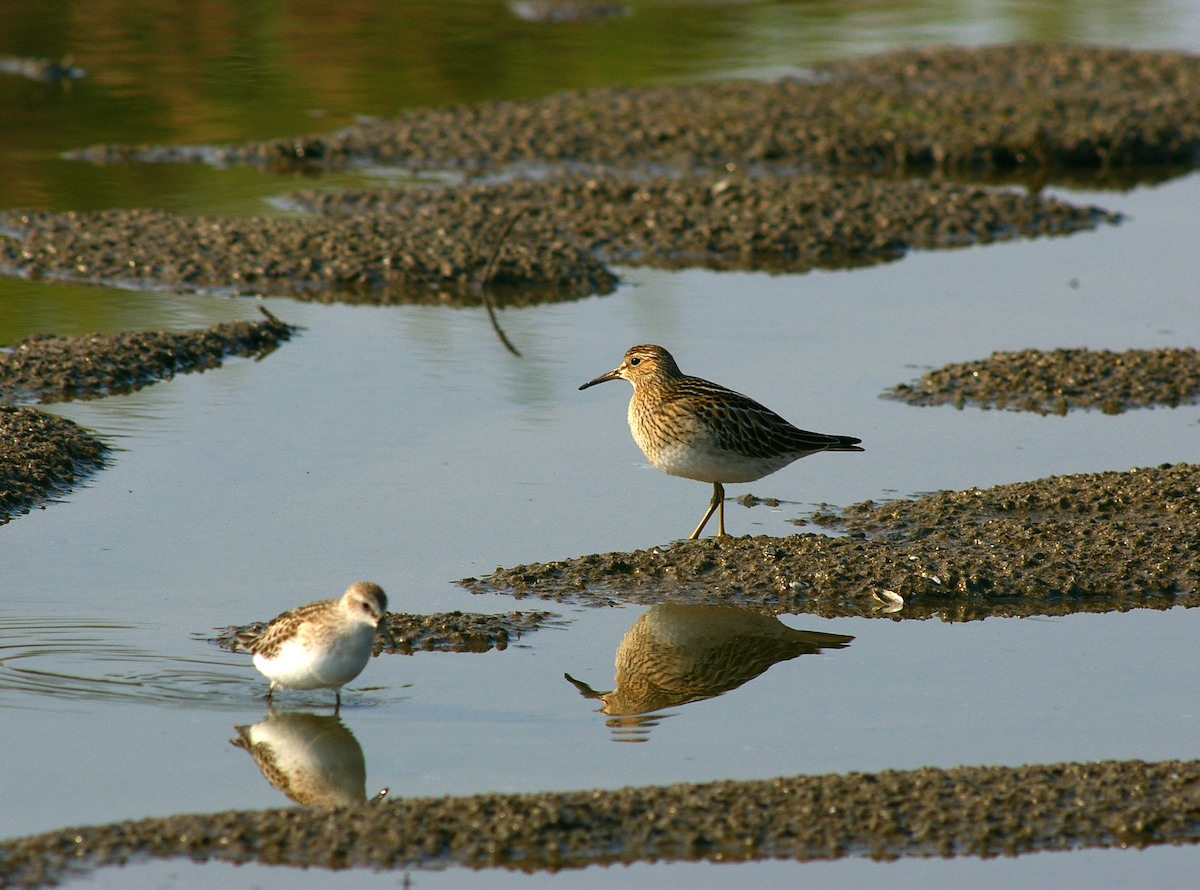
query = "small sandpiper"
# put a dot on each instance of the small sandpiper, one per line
(323, 645)
(700, 430)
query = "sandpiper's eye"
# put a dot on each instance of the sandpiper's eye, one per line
(366, 607)
(635, 361)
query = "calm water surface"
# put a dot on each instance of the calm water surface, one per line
(1157, 868)
(404, 445)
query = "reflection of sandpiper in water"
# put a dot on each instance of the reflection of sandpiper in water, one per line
(676, 654)
(322, 645)
(316, 761)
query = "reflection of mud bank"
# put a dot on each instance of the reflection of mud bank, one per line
(1061, 380)
(733, 222)
(57, 369)
(1086, 543)
(923, 812)
(441, 632)
(41, 454)
(377, 259)
(1035, 106)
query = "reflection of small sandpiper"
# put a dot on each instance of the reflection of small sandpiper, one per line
(314, 760)
(323, 645)
(700, 430)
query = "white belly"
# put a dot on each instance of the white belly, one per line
(298, 666)
(706, 464)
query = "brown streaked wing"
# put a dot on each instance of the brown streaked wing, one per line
(741, 425)
(283, 627)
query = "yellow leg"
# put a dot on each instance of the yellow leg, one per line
(721, 516)
(718, 500)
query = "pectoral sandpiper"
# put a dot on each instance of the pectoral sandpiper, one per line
(700, 430)
(322, 645)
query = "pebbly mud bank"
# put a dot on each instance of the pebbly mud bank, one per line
(1094, 542)
(550, 237)
(377, 259)
(57, 369)
(1033, 106)
(979, 811)
(41, 455)
(1062, 380)
(732, 221)
(440, 632)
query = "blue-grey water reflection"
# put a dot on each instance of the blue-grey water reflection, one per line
(1155, 868)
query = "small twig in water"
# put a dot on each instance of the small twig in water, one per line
(271, 317)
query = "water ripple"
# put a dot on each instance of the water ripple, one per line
(96, 661)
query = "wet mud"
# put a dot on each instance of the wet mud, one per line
(1033, 106)
(979, 811)
(1095, 542)
(460, 631)
(41, 455)
(1062, 380)
(750, 185)
(550, 237)
(440, 632)
(56, 369)
(730, 221)
(437, 258)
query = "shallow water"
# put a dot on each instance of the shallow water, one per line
(1153, 868)
(404, 445)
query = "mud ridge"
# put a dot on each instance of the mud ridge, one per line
(1037, 106)
(1095, 542)
(1062, 380)
(57, 369)
(777, 224)
(377, 259)
(440, 632)
(41, 455)
(980, 811)
(433, 244)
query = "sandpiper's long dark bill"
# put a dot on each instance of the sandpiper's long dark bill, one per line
(700, 430)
